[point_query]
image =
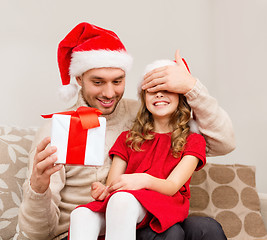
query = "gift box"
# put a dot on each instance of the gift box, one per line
(79, 136)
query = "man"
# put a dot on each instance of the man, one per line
(99, 62)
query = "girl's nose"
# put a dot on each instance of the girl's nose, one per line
(159, 94)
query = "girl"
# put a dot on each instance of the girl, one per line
(152, 165)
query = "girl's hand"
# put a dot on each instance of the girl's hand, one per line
(99, 191)
(134, 181)
(170, 78)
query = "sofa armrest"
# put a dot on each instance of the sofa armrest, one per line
(263, 201)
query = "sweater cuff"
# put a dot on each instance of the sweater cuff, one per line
(37, 196)
(194, 92)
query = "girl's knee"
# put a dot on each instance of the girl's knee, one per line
(80, 213)
(122, 200)
(125, 204)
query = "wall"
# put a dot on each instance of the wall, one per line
(223, 41)
(240, 80)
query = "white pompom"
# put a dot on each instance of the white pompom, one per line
(193, 126)
(67, 92)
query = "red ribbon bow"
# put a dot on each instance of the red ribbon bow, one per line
(86, 115)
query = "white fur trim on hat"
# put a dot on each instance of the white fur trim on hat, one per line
(157, 64)
(86, 60)
(67, 92)
(193, 126)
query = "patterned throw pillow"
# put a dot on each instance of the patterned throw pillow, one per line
(228, 194)
(15, 144)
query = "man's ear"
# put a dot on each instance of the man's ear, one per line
(79, 80)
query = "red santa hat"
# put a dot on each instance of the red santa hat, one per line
(157, 64)
(87, 47)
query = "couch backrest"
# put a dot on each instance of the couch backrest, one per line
(228, 194)
(15, 144)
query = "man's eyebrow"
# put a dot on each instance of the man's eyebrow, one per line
(96, 77)
(120, 77)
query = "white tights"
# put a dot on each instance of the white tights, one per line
(122, 214)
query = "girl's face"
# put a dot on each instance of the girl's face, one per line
(161, 104)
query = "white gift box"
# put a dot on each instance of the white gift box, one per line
(87, 144)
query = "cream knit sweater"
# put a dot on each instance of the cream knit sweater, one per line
(46, 216)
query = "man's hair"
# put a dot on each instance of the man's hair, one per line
(143, 126)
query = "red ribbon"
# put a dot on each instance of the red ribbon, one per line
(88, 116)
(82, 119)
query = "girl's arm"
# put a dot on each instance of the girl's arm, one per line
(117, 168)
(177, 178)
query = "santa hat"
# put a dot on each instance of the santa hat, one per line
(87, 47)
(157, 64)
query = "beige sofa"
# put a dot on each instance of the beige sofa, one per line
(224, 192)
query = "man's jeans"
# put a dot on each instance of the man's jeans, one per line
(193, 228)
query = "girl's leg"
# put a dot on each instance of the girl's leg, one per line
(122, 214)
(86, 224)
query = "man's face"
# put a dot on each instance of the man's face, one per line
(102, 88)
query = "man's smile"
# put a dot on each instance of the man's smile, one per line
(106, 102)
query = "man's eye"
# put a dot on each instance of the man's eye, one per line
(97, 82)
(117, 82)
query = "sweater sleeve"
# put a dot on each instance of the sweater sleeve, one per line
(213, 122)
(39, 213)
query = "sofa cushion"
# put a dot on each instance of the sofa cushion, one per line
(15, 144)
(228, 194)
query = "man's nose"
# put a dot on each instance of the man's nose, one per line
(108, 91)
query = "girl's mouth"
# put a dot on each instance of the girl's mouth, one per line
(160, 103)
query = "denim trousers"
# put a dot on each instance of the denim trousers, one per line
(193, 228)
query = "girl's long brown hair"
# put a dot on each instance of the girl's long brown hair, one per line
(144, 125)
